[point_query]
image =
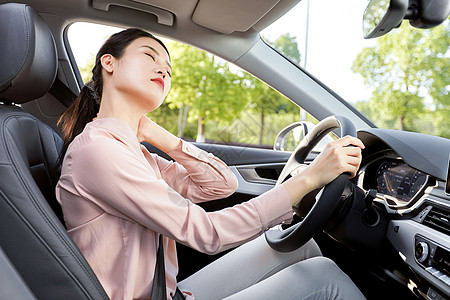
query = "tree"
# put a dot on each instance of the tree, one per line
(264, 99)
(204, 87)
(408, 69)
(287, 45)
(205, 90)
(86, 70)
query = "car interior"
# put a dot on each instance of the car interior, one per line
(392, 246)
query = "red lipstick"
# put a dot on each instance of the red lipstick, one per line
(159, 81)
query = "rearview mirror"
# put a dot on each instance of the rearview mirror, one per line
(381, 16)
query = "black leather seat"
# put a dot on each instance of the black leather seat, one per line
(31, 235)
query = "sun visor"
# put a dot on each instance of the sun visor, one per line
(231, 15)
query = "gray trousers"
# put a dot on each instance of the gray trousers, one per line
(255, 271)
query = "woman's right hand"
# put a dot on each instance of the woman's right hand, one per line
(340, 156)
(151, 132)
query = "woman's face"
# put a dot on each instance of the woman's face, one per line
(143, 73)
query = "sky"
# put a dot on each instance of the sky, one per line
(334, 40)
(85, 39)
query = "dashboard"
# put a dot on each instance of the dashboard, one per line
(409, 173)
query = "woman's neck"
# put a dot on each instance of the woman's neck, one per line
(116, 107)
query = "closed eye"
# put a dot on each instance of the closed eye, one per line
(169, 72)
(148, 54)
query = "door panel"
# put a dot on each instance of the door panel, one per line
(256, 169)
(234, 155)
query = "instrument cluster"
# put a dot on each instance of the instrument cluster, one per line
(394, 179)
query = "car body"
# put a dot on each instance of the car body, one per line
(384, 257)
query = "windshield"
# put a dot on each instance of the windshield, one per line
(399, 81)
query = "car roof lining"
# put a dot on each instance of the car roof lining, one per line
(218, 15)
(235, 47)
(232, 15)
(174, 19)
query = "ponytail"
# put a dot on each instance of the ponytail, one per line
(73, 120)
(81, 112)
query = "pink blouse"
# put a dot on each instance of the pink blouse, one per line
(117, 197)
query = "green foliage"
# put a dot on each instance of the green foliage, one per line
(86, 70)
(215, 95)
(287, 45)
(165, 115)
(265, 100)
(204, 84)
(246, 130)
(228, 105)
(408, 70)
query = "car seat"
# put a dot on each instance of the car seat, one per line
(31, 235)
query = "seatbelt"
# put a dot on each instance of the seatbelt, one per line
(159, 279)
(62, 93)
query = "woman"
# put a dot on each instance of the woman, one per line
(117, 197)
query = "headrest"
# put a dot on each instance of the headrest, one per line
(28, 60)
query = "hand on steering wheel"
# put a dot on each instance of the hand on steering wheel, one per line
(334, 160)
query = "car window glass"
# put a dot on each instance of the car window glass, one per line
(210, 100)
(399, 81)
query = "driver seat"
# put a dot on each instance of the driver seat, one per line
(31, 235)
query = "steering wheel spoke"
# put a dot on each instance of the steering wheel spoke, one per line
(326, 202)
(291, 169)
(298, 169)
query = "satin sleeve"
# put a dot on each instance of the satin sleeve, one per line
(195, 174)
(112, 176)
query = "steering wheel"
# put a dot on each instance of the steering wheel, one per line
(327, 199)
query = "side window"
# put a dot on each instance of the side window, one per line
(210, 101)
(85, 39)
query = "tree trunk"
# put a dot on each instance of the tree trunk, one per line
(201, 130)
(182, 118)
(401, 122)
(261, 132)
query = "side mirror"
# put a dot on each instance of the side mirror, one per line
(290, 136)
(381, 16)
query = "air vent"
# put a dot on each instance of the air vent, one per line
(438, 219)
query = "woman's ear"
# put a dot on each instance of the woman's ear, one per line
(107, 61)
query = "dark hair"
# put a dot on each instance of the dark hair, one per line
(87, 104)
